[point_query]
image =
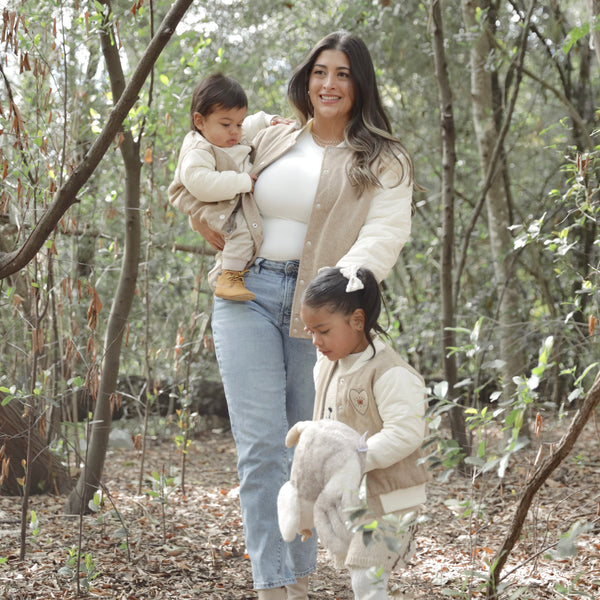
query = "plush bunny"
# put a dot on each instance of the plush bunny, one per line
(328, 466)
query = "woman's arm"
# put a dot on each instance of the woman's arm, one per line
(387, 226)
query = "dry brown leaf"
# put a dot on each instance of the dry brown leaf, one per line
(592, 324)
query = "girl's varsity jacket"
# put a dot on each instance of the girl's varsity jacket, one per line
(383, 397)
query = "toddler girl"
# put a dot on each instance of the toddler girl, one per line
(363, 382)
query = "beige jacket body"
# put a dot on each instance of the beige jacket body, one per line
(344, 227)
(216, 178)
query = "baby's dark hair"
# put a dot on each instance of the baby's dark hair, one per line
(328, 290)
(214, 92)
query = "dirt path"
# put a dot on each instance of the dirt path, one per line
(197, 549)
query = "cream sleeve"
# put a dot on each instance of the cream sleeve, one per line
(401, 401)
(387, 226)
(197, 173)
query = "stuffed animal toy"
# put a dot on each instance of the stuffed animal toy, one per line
(328, 466)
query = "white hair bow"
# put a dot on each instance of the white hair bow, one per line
(354, 282)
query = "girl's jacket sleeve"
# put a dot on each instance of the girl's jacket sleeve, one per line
(400, 397)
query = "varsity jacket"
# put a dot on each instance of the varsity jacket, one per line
(344, 227)
(384, 397)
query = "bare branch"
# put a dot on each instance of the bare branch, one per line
(544, 471)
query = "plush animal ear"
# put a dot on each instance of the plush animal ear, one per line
(288, 511)
(293, 434)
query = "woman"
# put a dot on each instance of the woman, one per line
(334, 189)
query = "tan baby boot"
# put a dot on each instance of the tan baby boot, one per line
(230, 286)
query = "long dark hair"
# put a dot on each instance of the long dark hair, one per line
(214, 92)
(328, 290)
(368, 133)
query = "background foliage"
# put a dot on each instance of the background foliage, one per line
(56, 97)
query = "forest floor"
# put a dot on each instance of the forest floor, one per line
(195, 549)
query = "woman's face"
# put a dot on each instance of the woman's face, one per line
(331, 87)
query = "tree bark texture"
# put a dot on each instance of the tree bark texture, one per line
(593, 7)
(89, 480)
(46, 472)
(496, 200)
(456, 415)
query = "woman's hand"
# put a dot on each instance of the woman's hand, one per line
(277, 120)
(212, 237)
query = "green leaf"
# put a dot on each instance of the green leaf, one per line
(371, 526)
(575, 35)
(481, 449)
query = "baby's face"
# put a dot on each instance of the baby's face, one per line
(222, 127)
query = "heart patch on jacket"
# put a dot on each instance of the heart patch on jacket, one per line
(359, 400)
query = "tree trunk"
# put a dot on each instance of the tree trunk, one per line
(457, 417)
(89, 480)
(593, 7)
(509, 329)
(45, 470)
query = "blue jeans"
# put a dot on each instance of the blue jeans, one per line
(268, 381)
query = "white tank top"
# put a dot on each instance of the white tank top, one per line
(284, 193)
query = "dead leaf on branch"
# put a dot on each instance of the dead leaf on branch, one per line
(94, 310)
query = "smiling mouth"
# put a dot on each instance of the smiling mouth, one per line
(329, 98)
